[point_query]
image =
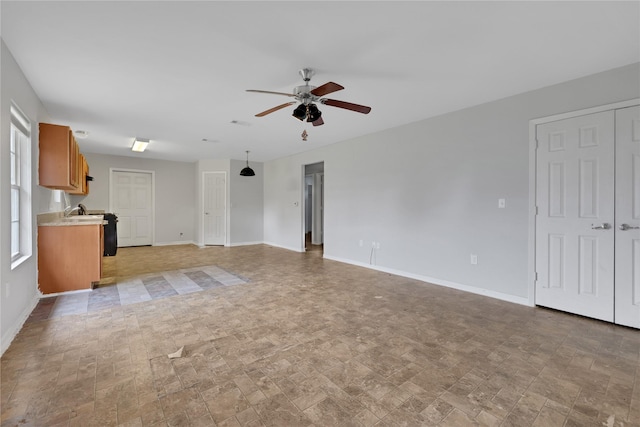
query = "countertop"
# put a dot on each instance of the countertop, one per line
(58, 219)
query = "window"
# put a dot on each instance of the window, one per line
(20, 158)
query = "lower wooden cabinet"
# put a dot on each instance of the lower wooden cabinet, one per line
(69, 257)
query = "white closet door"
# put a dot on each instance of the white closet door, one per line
(575, 198)
(214, 204)
(627, 290)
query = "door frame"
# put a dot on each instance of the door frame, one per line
(533, 146)
(226, 207)
(317, 208)
(303, 208)
(153, 196)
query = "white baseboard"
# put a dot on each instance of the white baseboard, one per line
(12, 332)
(245, 243)
(434, 281)
(177, 242)
(282, 247)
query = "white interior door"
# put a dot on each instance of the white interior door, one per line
(627, 288)
(214, 208)
(574, 224)
(132, 202)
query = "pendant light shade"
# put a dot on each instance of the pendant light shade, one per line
(247, 171)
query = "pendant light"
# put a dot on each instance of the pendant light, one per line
(247, 171)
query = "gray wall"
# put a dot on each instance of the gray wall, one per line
(175, 193)
(428, 192)
(18, 287)
(247, 201)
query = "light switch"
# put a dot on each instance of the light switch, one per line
(502, 203)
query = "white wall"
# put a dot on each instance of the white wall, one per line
(247, 201)
(18, 287)
(175, 193)
(428, 191)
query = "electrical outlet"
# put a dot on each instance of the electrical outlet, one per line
(474, 259)
(502, 203)
(373, 245)
(377, 245)
(181, 234)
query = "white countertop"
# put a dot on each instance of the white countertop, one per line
(58, 219)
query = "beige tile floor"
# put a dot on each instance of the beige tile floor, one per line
(308, 341)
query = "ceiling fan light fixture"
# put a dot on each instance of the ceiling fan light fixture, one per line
(247, 171)
(314, 113)
(300, 112)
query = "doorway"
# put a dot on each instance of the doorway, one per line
(214, 214)
(587, 240)
(313, 185)
(131, 201)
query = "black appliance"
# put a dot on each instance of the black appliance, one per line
(110, 234)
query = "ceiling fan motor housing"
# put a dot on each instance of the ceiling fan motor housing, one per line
(304, 95)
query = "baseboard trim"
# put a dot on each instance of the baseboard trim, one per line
(439, 282)
(282, 247)
(9, 336)
(245, 243)
(177, 242)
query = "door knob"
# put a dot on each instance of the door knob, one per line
(604, 226)
(625, 227)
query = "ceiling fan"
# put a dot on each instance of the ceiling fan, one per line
(308, 95)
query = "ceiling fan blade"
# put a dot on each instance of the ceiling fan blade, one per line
(326, 89)
(318, 122)
(271, 92)
(271, 110)
(347, 105)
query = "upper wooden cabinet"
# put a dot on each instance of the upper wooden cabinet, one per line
(59, 158)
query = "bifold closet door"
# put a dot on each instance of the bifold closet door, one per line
(574, 224)
(627, 231)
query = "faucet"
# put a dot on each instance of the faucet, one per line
(69, 210)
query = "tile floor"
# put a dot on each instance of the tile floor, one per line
(132, 290)
(312, 342)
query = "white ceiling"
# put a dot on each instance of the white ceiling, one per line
(176, 72)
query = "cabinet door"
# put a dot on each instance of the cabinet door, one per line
(74, 154)
(69, 257)
(83, 171)
(58, 163)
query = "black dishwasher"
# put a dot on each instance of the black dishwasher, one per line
(110, 234)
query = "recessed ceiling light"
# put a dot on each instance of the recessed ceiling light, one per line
(210, 140)
(139, 145)
(240, 123)
(81, 134)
